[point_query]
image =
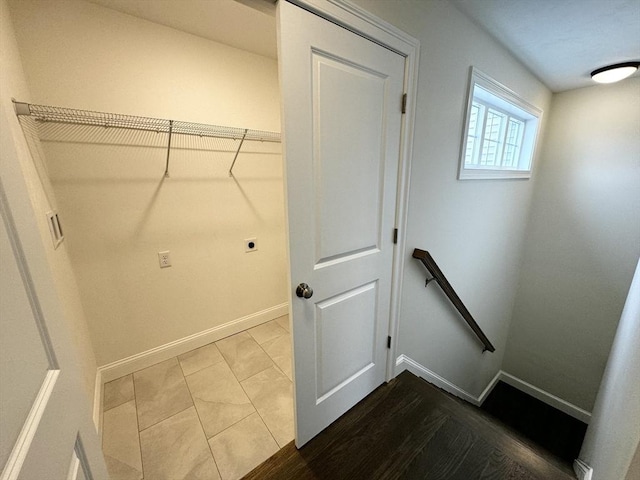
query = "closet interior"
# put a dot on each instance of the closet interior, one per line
(174, 229)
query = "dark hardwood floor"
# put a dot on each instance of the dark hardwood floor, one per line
(559, 433)
(409, 429)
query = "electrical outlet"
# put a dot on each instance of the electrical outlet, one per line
(250, 245)
(165, 259)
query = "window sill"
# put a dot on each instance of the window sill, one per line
(490, 174)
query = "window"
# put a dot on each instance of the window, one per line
(500, 132)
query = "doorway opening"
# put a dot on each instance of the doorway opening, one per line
(175, 272)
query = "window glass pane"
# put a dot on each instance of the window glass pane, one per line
(490, 144)
(513, 143)
(494, 125)
(470, 158)
(489, 153)
(473, 117)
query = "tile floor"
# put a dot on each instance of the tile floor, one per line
(213, 413)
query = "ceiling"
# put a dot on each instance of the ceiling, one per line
(246, 24)
(561, 41)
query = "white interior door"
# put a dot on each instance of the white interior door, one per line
(341, 97)
(45, 424)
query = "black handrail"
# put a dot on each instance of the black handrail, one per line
(428, 261)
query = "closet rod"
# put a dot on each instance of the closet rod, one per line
(47, 113)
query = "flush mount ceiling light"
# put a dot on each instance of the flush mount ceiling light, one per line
(614, 73)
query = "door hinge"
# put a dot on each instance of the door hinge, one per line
(404, 103)
(389, 342)
(395, 235)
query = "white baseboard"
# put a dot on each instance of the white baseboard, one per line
(97, 402)
(582, 470)
(405, 363)
(546, 397)
(136, 362)
(489, 388)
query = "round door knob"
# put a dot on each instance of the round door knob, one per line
(304, 291)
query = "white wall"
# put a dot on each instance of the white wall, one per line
(473, 229)
(13, 84)
(117, 210)
(613, 436)
(582, 242)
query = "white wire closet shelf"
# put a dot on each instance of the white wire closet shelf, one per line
(73, 116)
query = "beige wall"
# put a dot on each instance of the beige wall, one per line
(116, 208)
(82, 55)
(473, 229)
(583, 241)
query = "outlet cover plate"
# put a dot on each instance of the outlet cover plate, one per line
(165, 259)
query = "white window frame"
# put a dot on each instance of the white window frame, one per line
(490, 94)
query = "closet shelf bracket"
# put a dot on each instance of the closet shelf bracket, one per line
(244, 135)
(166, 168)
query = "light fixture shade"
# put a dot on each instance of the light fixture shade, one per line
(614, 73)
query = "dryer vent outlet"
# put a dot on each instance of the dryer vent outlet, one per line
(250, 245)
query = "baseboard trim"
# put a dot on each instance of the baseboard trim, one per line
(582, 470)
(487, 391)
(97, 402)
(406, 363)
(136, 362)
(546, 397)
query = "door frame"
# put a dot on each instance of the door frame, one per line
(354, 18)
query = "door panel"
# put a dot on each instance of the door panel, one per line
(23, 360)
(348, 212)
(45, 414)
(341, 98)
(344, 349)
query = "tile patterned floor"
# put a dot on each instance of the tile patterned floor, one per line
(213, 413)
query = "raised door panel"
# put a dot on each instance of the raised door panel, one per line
(348, 158)
(345, 338)
(23, 360)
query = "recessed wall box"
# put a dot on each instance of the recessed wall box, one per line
(250, 245)
(55, 228)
